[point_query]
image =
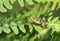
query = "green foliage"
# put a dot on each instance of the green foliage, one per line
(8, 3)
(15, 26)
(5, 28)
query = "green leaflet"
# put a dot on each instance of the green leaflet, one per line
(48, 33)
(0, 30)
(37, 28)
(7, 4)
(18, 17)
(46, 8)
(2, 9)
(9, 19)
(21, 2)
(54, 20)
(21, 26)
(30, 28)
(57, 22)
(30, 2)
(25, 37)
(33, 38)
(57, 28)
(5, 28)
(13, 26)
(54, 23)
(12, 1)
(37, 0)
(49, 19)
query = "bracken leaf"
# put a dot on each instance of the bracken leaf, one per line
(13, 26)
(30, 2)
(21, 26)
(37, 28)
(21, 2)
(30, 28)
(5, 28)
(7, 4)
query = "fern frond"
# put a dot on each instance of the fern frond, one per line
(7, 4)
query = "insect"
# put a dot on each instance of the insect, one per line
(37, 20)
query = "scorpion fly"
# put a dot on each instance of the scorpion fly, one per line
(37, 20)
